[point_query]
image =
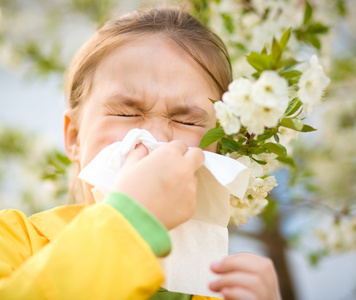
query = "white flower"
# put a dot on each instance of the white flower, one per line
(271, 90)
(247, 208)
(261, 187)
(260, 104)
(257, 205)
(228, 120)
(312, 84)
(239, 215)
(261, 117)
(255, 168)
(270, 159)
(286, 135)
(339, 237)
(239, 98)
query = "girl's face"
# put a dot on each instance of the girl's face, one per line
(147, 83)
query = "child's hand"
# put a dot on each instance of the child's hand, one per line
(164, 182)
(246, 276)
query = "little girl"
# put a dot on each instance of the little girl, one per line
(154, 70)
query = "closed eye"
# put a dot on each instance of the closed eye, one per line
(127, 115)
(184, 123)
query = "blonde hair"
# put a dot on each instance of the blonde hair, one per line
(201, 44)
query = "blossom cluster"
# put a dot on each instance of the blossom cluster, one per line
(329, 162)
(260, 104)
(255, 105)
(277, 86)
(260, 185)
(339, 238)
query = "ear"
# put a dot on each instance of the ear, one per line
(71, 139)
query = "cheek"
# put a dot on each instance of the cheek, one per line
(191, 136)
(99, 136)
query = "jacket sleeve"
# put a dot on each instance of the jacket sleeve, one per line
(98, 255)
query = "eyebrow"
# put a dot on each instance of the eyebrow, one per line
(120, 99)
(192, 110)
(177, 110)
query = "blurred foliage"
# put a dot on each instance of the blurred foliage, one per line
(36, 34)
(39, 169)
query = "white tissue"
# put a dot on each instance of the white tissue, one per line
(201, 240)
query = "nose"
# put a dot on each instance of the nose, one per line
(159, 128)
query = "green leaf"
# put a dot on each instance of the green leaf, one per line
(276, 149)
(308, 12)
(261, 162)
(228, 22)
(317, 28)
(284, 39)
(230, 144)
(264, 50)
(242, 140)
(276, 51)
(291, 74)
(315, 257)
(288, 63)
(266, 135)
(260, 62)
(256, 75)
(293, 107)
(212, 100)
(258, 150)
(296, 124)
(313, 40)
(276, 137)
(292, 123)
(286, 160)
(341, 7)
(307, 128)
(211, 136)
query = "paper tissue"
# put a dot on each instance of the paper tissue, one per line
(201, 240)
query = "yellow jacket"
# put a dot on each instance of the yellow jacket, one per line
(76, 252)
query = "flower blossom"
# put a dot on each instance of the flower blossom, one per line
(262, 187)
(247, 208)
(258, 189)
(339, 237)
(239, 97)
(255, 168)
(271, 90)
(257, 105)
(270, 159)
(228, 120)
(312, 84)
(261, 117)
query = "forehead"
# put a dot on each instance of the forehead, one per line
(153, 68)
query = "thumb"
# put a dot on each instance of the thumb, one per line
(137, 154)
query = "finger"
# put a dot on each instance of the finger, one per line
(247, 262)
(137, 154)
(240, 279)
(238, 294)
(179, 146)
(195, 157)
